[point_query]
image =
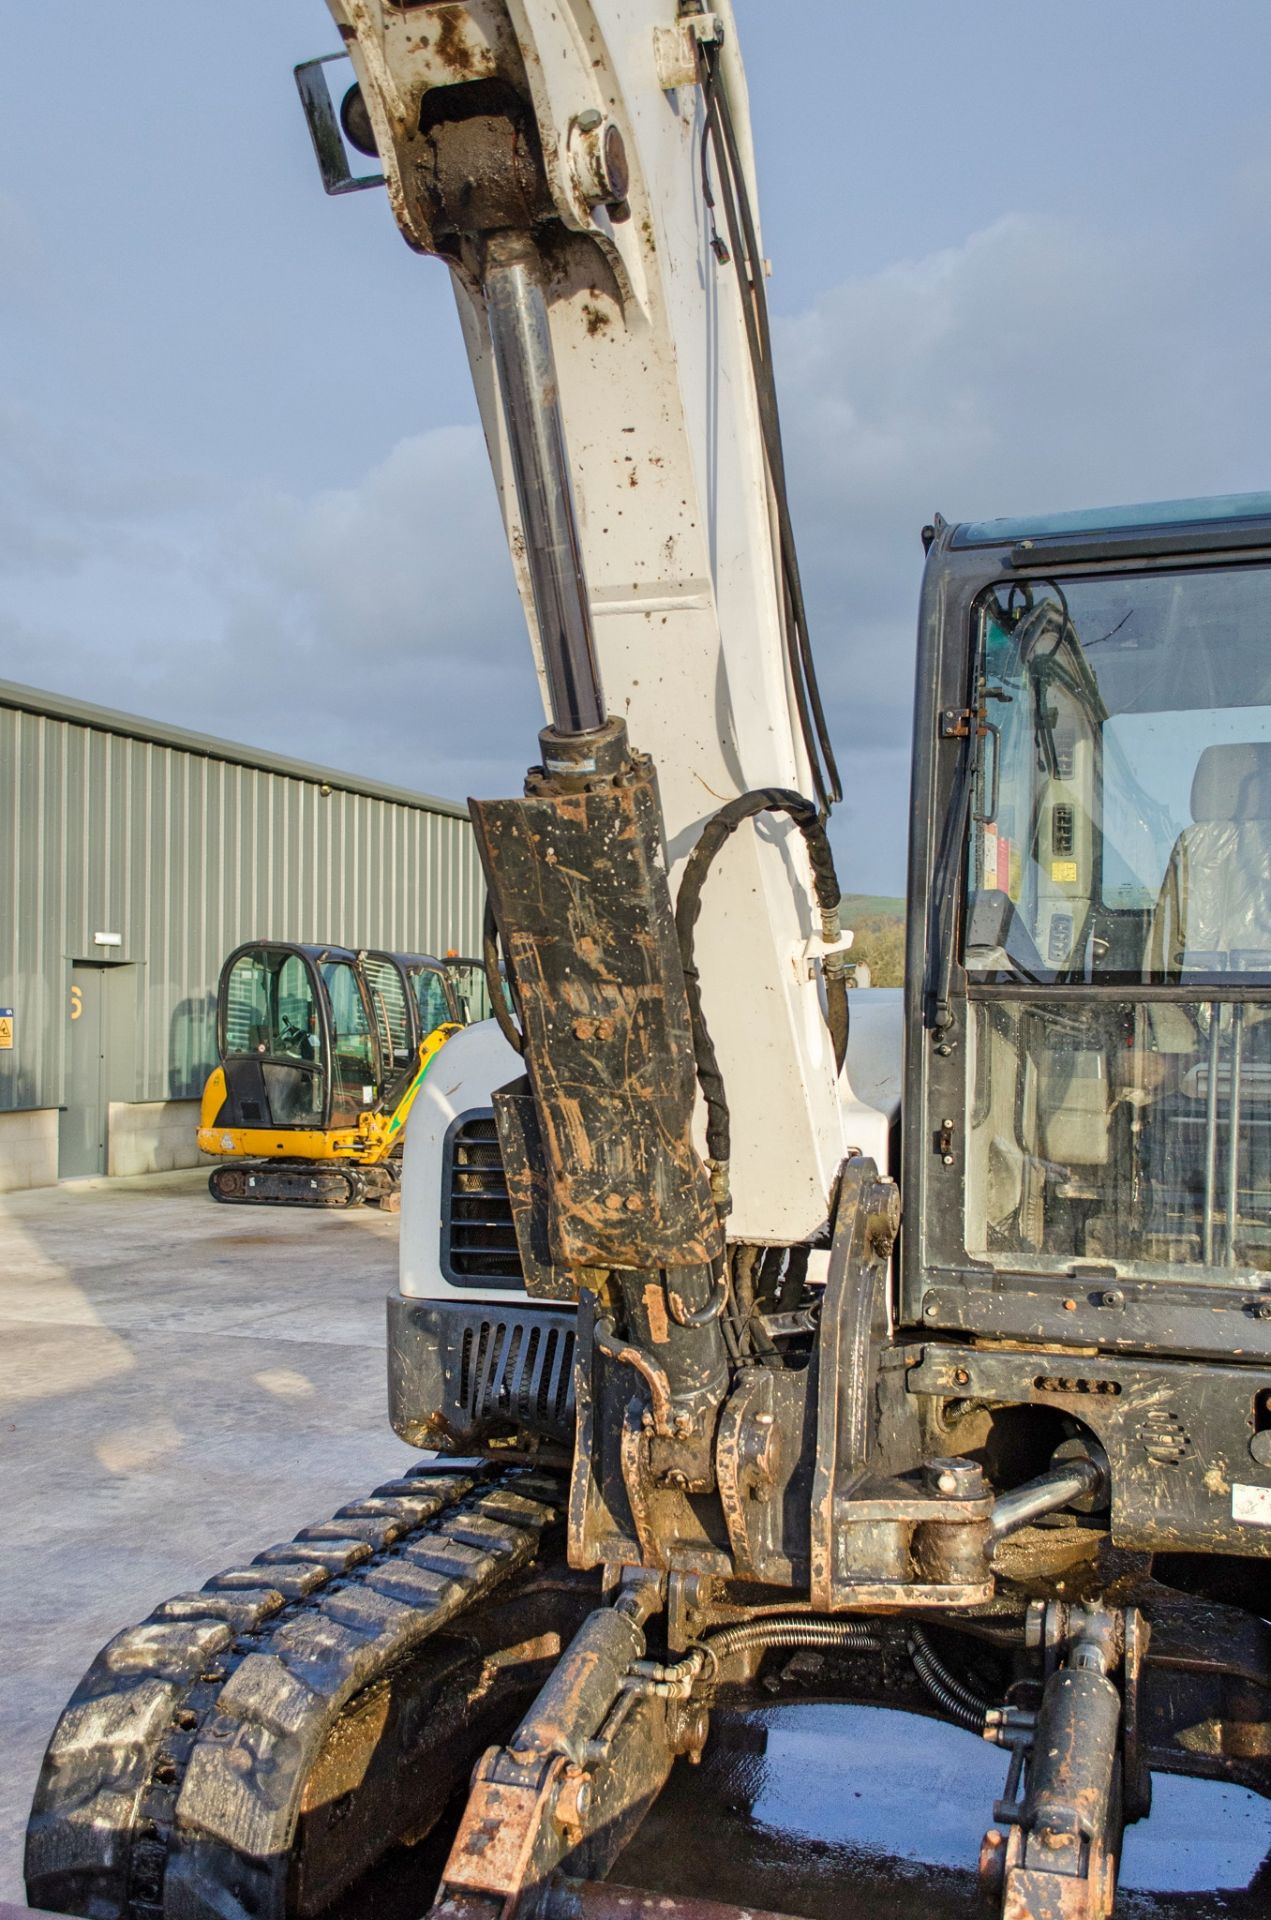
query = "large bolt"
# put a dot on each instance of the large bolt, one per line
(993, 1858)
(573, 1800)
(599, 157)
(955, 1479)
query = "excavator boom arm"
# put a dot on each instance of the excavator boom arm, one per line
(585, 170)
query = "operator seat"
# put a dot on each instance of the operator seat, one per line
(1214, 909)
(1213, 917)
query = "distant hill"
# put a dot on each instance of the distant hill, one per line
(878, 922)
(872, 906)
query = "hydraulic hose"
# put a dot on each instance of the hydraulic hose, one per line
(791, 1630)
(747, 256)
(688, 907)
(494, 981)
(958, 1700)
(769, 1630)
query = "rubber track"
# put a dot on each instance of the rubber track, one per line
(338, 1187)
(172, 1785)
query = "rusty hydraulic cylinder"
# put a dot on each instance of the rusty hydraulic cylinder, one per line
(581, 1688)
(1074, 1758)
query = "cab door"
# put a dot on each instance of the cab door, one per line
(356, 1069)
(271, 1042)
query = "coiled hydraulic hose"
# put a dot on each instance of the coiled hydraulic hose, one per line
(959, 1701)
(770, 1630)
(790, 1630)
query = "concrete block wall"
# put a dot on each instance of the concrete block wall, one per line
(28, 1149)
(151, 1136)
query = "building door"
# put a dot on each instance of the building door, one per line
(82, 1129)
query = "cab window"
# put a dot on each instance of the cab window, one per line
(430, 993)
(392, 1012)
(1120, 837)
(355, 1059)
(270, 1008)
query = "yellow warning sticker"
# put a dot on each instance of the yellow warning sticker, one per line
(6, 1028)
(1064, 871)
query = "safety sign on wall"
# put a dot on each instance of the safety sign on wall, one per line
(6, 1028)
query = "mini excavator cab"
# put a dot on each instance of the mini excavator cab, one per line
(320, 1047)
(1087, 1117)
(297, 1039)
(469, 988)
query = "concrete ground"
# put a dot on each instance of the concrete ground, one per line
(181, 1384)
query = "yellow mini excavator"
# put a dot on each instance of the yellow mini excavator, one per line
(322, 1053)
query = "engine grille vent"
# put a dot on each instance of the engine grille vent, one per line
(1164, 1437)
(516, 1369)
(478, 1239)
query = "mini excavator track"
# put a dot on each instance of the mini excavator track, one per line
(252, 1749)
(305, 1183)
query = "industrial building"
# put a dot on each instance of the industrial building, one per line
(133, 857)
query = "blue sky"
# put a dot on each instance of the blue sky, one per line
(1020, 261)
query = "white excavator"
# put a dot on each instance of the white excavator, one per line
(705, 1432)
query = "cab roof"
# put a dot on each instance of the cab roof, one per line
(1175, 515)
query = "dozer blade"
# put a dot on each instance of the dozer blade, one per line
(254, 1748)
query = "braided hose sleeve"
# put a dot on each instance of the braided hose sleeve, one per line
(791, 1630)
(794, 1630)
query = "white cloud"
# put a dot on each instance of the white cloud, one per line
(1041, 364)
(373, 627)
(381, 620)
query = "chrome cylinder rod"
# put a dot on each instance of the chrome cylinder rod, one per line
(1060, 1484)
(526, 370)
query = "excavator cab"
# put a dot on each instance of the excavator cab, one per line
(466, 982)
(1087, 1115)
(321, 1049)
(296, 1039)
(411, 995)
